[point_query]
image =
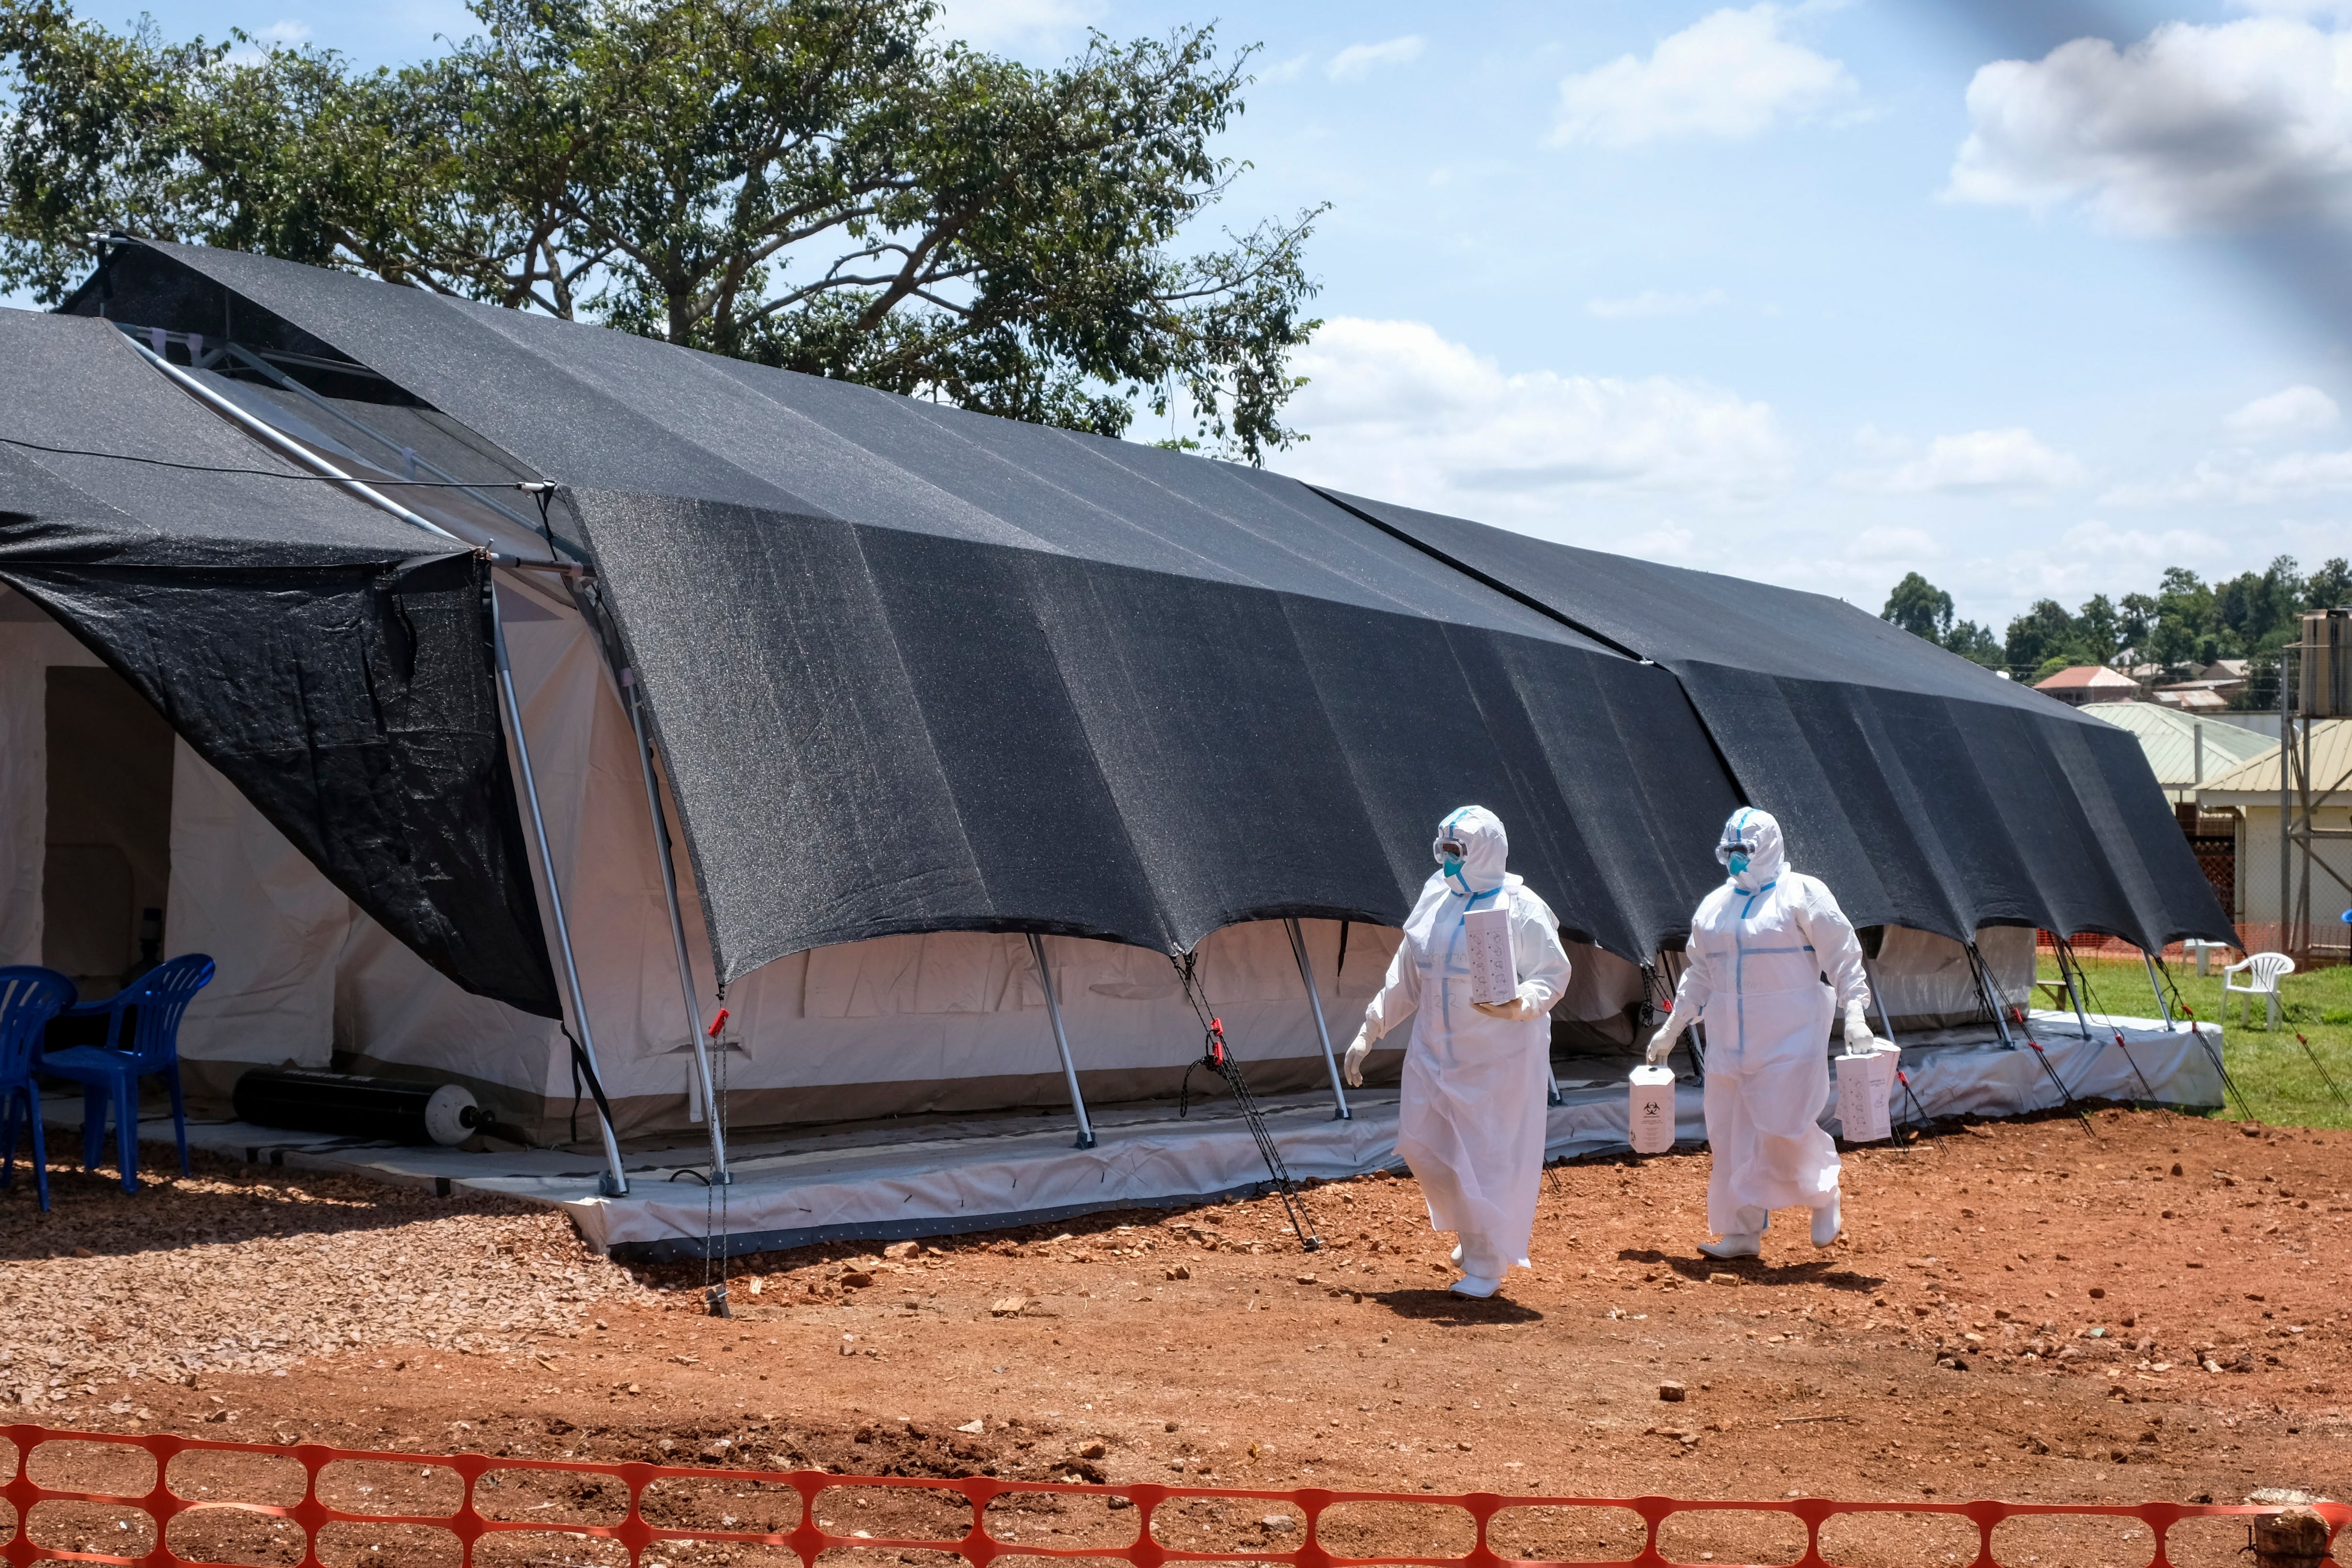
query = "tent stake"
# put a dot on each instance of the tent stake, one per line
(633, 694)
(615, 1181)
(1062, 1041)
(1315, 1004)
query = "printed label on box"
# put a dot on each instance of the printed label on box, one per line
(1493, 971)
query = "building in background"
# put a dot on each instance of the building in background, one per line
(2080, 685)
(2249, 795)
(2183, 751)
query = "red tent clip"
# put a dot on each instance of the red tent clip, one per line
(717, 1023)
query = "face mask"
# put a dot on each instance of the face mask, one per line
(1451, 865)
(1738, 862)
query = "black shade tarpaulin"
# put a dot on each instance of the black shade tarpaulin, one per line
(872, 730)
(1927, 790)
(330, 661)
(917, 669)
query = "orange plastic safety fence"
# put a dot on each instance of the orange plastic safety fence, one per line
(810, 1537)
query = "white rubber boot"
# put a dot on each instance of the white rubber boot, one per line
(1733, 1245)
(1826, 1222)
(1475, 1286)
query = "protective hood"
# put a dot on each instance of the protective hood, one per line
(1761, 835)
(1486, 846)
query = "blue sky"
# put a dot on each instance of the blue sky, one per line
(2016, 295)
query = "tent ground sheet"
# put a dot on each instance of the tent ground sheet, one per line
(886, 1181)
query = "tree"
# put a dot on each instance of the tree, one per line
(1920, 608)
(2329, 588)
(2043, 633)
(823, 186)
(2135, 621)
(2097, 630)
(1975, 642)
(2182, 635)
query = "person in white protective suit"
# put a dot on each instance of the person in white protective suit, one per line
(1759, 947)
(1471, 1123)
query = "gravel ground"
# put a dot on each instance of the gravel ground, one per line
(2028, 1310)
(239, 1270)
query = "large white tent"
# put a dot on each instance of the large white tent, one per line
(1114, 705)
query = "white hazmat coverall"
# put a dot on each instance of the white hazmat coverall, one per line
(1471, 1123)
(1759, 946)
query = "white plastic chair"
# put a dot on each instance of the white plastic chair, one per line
(2262, 971)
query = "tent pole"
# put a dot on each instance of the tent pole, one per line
(615, 1181)
(634, 694)
(1992, 998)
(1062, 1041)
(2161, 1005)
(2068, 969)
(1885, 1019)
(1322, 1032)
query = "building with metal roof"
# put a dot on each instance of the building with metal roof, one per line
(2184, 749)
(2250, 792)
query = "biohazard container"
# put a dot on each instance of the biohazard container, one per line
(1865, 1089)
(1650, 1110)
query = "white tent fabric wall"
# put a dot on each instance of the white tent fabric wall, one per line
(30, 642)
(1926, 982)
(276, 930)
(943, 1022)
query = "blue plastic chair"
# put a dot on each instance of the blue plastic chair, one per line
(110, 1073)
(29, 998)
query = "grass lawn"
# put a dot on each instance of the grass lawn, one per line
(2272, 1071)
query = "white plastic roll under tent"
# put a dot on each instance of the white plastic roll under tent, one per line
(945, 1022)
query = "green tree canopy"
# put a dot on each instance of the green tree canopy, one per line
(2184, 626)
(1924, 610)
(1920, 608)
(818, 185)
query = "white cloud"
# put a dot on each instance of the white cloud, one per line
(1650, 302)
(289, 31)
(1883, 446)
(2297, 411)
(2331, 10)
(2237, 481)
(1397, 410)
(995, 24)
(2194, 128)
(1880, 543)
(1984, 461)
(1728, 74)
(1360, 61)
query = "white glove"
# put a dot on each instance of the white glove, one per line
(1662, 1044)
(1519, 1010)
(1351, 1067)
(1858, 1037)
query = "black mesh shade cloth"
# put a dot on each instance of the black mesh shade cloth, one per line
(333, 663)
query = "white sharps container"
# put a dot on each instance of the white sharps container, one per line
(1650, 1110)
(1494, 969)
(1865, 1089)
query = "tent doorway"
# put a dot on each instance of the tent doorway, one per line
(108, 846)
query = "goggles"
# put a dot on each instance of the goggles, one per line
(1730, 847)
(1450, 848)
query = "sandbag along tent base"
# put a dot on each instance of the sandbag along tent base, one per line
(842, 709)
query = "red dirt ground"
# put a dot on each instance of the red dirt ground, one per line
(2020, 1309)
